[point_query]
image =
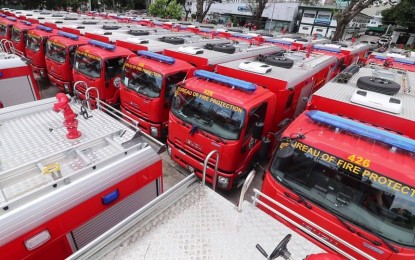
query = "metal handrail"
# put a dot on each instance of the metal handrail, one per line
(216, 168)
(245, 187)
(88, 99)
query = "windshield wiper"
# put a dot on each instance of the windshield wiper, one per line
(375, 242)
(300, 199)
(218, 139)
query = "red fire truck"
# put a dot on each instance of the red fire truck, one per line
(100, 64)
(210, 55)
(17, 83)
(291, 76)
(60, 54)
(147, 83)
(19, 34)
(6, 25)
(399, 58)
(58, 194)
(347, 53)
(347, 164)
(35, 48)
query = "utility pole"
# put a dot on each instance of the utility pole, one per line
(89, 5)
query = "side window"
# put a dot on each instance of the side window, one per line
(72, 50)
(256, 115)
(113, 67)
(172, 80)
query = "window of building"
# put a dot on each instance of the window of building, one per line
(305, 28)
(319, 30)
(308, 15)
(324, 16)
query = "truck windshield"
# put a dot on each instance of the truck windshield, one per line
(208, 114)
(3, 30)
(366, 198)
(142, 81)
(56, 51)
(16, 35)
(33, 42)
(88, 64)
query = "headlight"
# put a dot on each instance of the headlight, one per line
(191, 169)
(42, 73)
(154, 131)
(66, 86)
(169, 150)
(223, 181)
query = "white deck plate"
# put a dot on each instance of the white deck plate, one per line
(343, 92)
(204, 225)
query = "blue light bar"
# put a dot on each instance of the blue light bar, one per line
(279, 41)
(69, 35)
(205, 30)
(239, 35)
(400, 60)
(363, 130)
(103, 45)
(2, 15)
(326, 48)
(11, 18)
(156, 56)
(44, 28)
(239, 84)
(26, 22)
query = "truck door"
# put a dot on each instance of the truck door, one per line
(113, 69)
(171, 83)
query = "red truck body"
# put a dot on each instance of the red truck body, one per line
(54, 201)
(60, 51)
(19, 34)
(147, 83)
(353, 53)
(6, 25)
(347, 162)
(400, 59)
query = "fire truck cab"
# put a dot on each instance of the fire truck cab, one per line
(347, 164)
(6, 25)
(19, 34)
(60, 55)
(147, 83)
(99, 65)
(17, 83)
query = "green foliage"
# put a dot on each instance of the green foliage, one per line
(166, 9)
(401, 14)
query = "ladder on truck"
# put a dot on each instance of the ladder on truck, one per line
(190, 221)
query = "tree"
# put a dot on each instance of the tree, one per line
(402, 14)
(256, 7)
(200, 13)
(166, 9)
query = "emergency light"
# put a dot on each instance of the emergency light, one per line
(205, 30)
(279, 41)
(363, 130)
(102, 45)
(239, 35)
(11, 18)
(3, 15)
(26, 23)
(326, 48)
(400, 60)
(156, 56)
(44, 28)
(239, 84)
(69, 35)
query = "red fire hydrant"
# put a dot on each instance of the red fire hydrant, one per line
(71, 123)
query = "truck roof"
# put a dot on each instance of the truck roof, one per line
(401, 58)
(104, 52)
(343, 47)
(270, 76)
(158, 66)
(392, 111)
(8, 60)
(191, 221)
(197, 55)
(69, 41)
(38, 162)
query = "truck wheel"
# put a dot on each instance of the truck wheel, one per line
(279, 61)
(379, 85)
(235, 30)
(110, 27)
(173, 40)
(225, 48)
(139, 32)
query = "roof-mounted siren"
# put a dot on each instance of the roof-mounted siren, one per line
(361, 129)
(69, 35)
(400, 60)
(328, 47)
(156, 56)
(102, 45)
(11, 18)
(376, 92)
(191, 50)
(26, 22)
(2, 15)
(279, 41)
(234, 83)
(44, 28)
(256, 67)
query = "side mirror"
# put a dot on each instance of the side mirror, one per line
(258, 129)
(285, 152)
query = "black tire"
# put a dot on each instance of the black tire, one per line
(89, 22)
(173, 40)
(235, 30)
(110, 27)
(225, 48)
(185, 23)
(379, 85)
(139, 32)
(302, 40)
(279, 61)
